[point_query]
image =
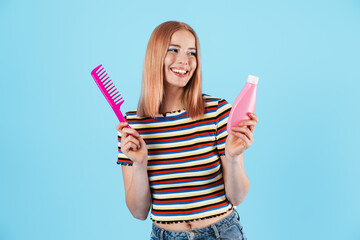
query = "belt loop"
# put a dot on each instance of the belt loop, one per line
(238, 215)
(162, 234)
(216, 231)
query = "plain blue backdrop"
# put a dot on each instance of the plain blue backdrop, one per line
(58, 173)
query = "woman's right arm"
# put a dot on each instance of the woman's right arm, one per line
(136, 181)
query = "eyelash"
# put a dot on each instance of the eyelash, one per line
(176, 50)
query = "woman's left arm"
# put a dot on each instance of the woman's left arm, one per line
(235, 179)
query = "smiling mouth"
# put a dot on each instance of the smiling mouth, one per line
(179, 72)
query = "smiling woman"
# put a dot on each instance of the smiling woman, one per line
(177, 158)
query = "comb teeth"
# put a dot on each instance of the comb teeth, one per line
(109, 91)
(108, 86)
(119, 101)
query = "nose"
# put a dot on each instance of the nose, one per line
(183, 58)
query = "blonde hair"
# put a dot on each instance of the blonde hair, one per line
(152, 87)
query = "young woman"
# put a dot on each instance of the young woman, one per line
(177, 156)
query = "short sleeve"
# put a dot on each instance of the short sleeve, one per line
(222, 115)
(122, 158)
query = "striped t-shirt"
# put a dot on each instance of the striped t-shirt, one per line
(184, 166)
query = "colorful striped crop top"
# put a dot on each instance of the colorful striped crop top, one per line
(184, 166)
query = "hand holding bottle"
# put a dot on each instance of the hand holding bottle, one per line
(241, 137)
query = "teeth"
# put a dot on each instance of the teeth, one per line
(179, 71)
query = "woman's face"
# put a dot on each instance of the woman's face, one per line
(180, 60)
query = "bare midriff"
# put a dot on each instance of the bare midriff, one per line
(196, 224)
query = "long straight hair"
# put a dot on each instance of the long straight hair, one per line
(152, 86)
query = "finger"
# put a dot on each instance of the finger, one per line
(129, 146)
(132, 140)
(124, 147)
(131, 131)
(252, 128)
(248, 133)
(245, 140)
(247, 123)
(121, 125)
(253, 116)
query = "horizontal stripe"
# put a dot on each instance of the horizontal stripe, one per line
(181, 164)
(191, 216)
(163, 176)
(190, 204)
(184, 181)
(191, 210)
(184, 189)
(188, 193)
(179, 154)
(186, 169)
(187, 200)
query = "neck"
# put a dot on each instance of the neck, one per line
(172, 100)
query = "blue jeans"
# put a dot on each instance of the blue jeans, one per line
(228, 228)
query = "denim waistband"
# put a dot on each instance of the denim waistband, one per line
(200, 233)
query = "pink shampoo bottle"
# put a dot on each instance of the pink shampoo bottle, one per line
(244, 103)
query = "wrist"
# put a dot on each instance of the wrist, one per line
(140, 164)
(234, 159)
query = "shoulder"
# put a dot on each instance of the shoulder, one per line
(132, 115)
(217, 102)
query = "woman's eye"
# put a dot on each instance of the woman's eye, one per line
(192, 53)
(173, 50)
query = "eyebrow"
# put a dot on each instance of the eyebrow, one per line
(175, 45)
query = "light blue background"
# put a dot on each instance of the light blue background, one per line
(58, 173)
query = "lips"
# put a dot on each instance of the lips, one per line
(180, 72)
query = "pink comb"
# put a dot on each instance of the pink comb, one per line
(109, 91)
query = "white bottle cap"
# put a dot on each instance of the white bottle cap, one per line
(253, 79)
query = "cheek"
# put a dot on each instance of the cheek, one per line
(169, 59)
(193, 64)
